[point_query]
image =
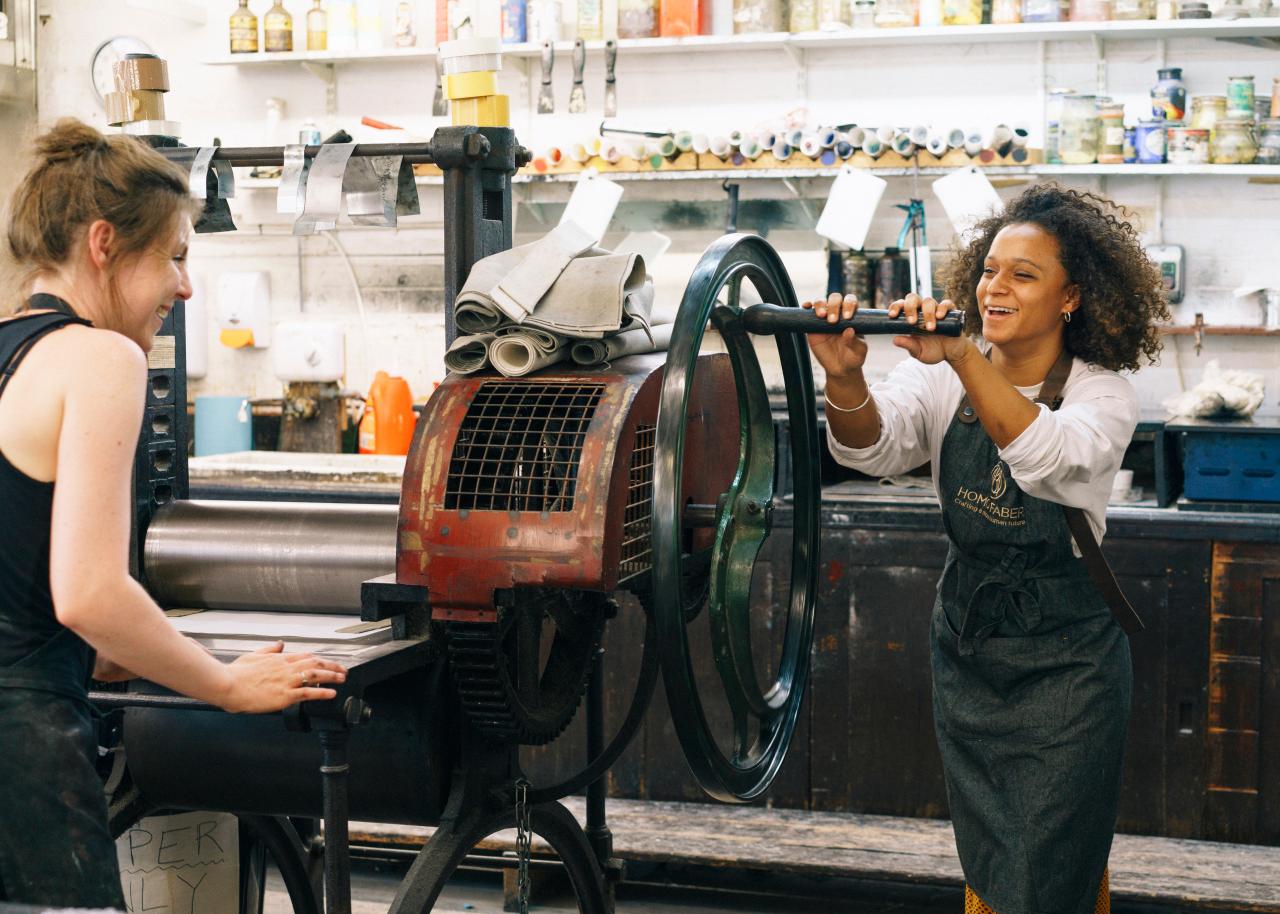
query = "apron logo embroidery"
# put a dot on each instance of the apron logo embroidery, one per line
(998, 483)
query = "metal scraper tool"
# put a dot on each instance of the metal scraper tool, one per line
(439, 107)
(578, 97)
(610, 83)
(546, 101)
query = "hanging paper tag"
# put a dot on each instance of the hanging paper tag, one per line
(850, 207)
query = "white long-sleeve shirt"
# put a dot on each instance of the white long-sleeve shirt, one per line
(1069, 456)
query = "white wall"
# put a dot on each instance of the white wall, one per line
(1228, 225)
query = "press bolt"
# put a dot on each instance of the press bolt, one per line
(355, 711)
(753, 507)
(476, 146)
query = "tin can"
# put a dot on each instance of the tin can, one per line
(514, 21)
(1187, 145)
(1240, 97)
(1150, 143)
(1130, 145)
(1169, 95)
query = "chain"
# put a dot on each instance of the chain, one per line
(524, 835)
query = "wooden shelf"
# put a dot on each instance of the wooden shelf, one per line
(1264, 32)
(1211, 330)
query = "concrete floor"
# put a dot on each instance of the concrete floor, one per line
(374, 886)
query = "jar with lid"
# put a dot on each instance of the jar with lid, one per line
(1041, 11)
(1240, 97)
(1090, 10)
(1275, 97)
(1187, 145)
(1233, 143)
(864, 14)
(1269, 142)
(893, 14)
(1207, 110)
(1053, 124)
(1111, 142)
(1166, 9)
(1078, 130)
(859, 276)
(637, 18)
(1133, 9)
(833, 14)
(802, 16)
(1006, 12)
(962, 12)
(1169, 95)
(751, 16)
(1194, 9)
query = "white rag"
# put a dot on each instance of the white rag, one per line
(1219, 392)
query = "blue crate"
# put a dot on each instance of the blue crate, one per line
(1225, 466)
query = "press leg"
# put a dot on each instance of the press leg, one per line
(337, 856)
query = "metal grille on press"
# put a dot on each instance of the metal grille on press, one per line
(637, 554)
(519, 447)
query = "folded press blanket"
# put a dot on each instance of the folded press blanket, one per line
(560, 283)
(542, 303)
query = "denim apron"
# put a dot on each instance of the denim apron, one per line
(1031, 690)
(55, 845)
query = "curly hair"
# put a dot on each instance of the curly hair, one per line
(1121, 295)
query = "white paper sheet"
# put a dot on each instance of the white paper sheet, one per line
(851, 205)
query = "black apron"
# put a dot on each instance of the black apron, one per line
(1031, 690)
(55, 844)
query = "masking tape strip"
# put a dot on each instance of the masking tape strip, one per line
(323, 199)
(226, 180)
(141, 73)
(379, 189)
(126, 107)
(471, 85)
(291, 196)
(490, 111)
(199, 174)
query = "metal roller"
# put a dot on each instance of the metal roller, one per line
(279, 556)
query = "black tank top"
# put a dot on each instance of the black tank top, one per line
(36, 651)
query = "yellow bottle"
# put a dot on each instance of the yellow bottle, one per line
(278, 26)
(317, 28)
(244, 30)
(962, 12)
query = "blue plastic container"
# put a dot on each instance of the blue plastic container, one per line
(224, 425)
(1222, 465)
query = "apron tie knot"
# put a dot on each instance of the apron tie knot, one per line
(1011, 598)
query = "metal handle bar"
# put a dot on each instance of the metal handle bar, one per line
(773, 319)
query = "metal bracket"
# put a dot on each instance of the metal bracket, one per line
(802, 69)
(1100, 49)
(327, 73)
(798, 193)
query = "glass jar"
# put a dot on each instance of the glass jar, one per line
(1111, 141)
(1133, 9)
(637, 18)
(1275, 97)
(1090, 10)
(1169, 95)
(750, 16)
(802, 16)
(962, 12)
(1187, 145)
(1240, 97)
(1053, 124)
(1041, 11)
(892, 14)
(859, 276)
(1207, 110)
(1269, 142)
(864, 14)
(833, 14)
(1006, 12)
(1233, 143)
(1078, 130)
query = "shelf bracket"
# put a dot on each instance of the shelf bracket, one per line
(1100, 49)
(798, 193)
(327, 73)
(802, 69)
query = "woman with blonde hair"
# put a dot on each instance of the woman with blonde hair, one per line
(99, 228)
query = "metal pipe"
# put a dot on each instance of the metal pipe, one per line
(597, 829)
(414, 153)
(337, 856)
(295, 557)
(771, 319)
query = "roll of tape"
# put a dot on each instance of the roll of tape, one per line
(140, 105)
(489, 111)
(147, 73)
(470, 85)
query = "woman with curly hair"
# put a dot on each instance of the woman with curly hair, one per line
(1021, 419)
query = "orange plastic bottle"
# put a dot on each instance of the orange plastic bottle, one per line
(388, 421)
(679, 18)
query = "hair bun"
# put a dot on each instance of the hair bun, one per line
(69, 139)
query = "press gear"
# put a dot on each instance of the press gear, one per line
(1031, 686)
(55, 847)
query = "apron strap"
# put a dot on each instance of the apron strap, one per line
(1094, 561)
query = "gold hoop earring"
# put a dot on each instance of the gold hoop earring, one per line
(1066, 317)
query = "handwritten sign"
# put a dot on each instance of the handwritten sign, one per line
(182, 864)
